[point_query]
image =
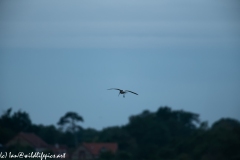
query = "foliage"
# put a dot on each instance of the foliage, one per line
(164, 134)
(107, 156)
(71, 118)
(13, 123)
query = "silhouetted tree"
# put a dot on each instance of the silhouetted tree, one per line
(107, 155)
(89, 135)
(71, 119)
(222, 141)
(164, 134)
(11, 124)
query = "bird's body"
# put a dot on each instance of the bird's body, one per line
(122, 91)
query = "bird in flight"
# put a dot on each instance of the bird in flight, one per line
(122, 91)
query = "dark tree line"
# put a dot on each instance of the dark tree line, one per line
(165, 134)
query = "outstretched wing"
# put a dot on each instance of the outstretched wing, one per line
(115, 89)
(132, 92)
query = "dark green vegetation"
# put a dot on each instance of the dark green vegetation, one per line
(165, 134)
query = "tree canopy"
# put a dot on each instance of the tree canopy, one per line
(164, 134)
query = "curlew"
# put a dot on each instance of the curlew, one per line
(122, 91)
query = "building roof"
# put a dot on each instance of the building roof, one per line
(32, 139)
(96, 148)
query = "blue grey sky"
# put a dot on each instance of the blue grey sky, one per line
(59, 56)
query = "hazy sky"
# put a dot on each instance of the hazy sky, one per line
(59, 56)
